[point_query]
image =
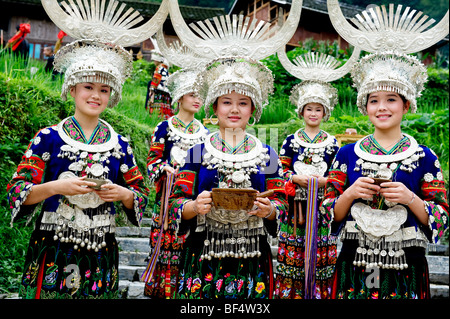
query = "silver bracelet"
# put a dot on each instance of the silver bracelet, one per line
(412, 199)
(271, 211)
(194, 208)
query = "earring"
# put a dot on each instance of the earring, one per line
(254, 121)
(213, 120)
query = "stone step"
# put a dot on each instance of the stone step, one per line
(131, 273)
(133, 244)
(142, 232)
(146, 221)
(439, 291)
(438, 267)
(437, 249)
(133, 258)
(132, 289)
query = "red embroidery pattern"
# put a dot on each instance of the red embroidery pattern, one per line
(185, 181)
(133, 175)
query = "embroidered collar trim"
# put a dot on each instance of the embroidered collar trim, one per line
(114, 139)
(201, 132)
(236, 158)
(413, 148)
(328, 140)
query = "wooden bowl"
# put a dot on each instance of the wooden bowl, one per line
(236, 198)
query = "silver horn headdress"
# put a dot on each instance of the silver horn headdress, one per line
(390, 36)
(100, 29)
(316, 70)
(182, 81)
(102, 21)
(234, 45)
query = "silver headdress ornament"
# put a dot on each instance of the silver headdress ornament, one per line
(182, 81)
(234, 45)
(104, 22)
(178, 53)
(157, 55)
(101, 31)
(316, 70)
(390, 37)
(240, 74)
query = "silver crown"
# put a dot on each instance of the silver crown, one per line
(104, 21)
(316, 70)
(100, 30)
(234, 45)
(181, 83)
(390, 36)
(235, 36)
(242, 75)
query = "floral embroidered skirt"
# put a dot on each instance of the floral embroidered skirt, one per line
(352, 282)
(55, 270)
(161, 103)
(225, 278)
(290, 269)
(165, 276)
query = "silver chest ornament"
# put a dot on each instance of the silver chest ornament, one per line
(232, 233)
(315, 152)
(71, 222)
(380, 233)
(236, 168)
(183, 141)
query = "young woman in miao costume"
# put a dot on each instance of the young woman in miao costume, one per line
(386, 193)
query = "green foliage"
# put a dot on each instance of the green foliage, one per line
(12, 251)
(431, 129)
(142, 73)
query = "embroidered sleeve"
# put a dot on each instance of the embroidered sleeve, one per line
(158, 156)
(135, 182)
(332, 151)
(434, 195)
(30, 171)
(276, 182)
(157, 76)
(335, 186)
(185, 186)
(286, 156)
